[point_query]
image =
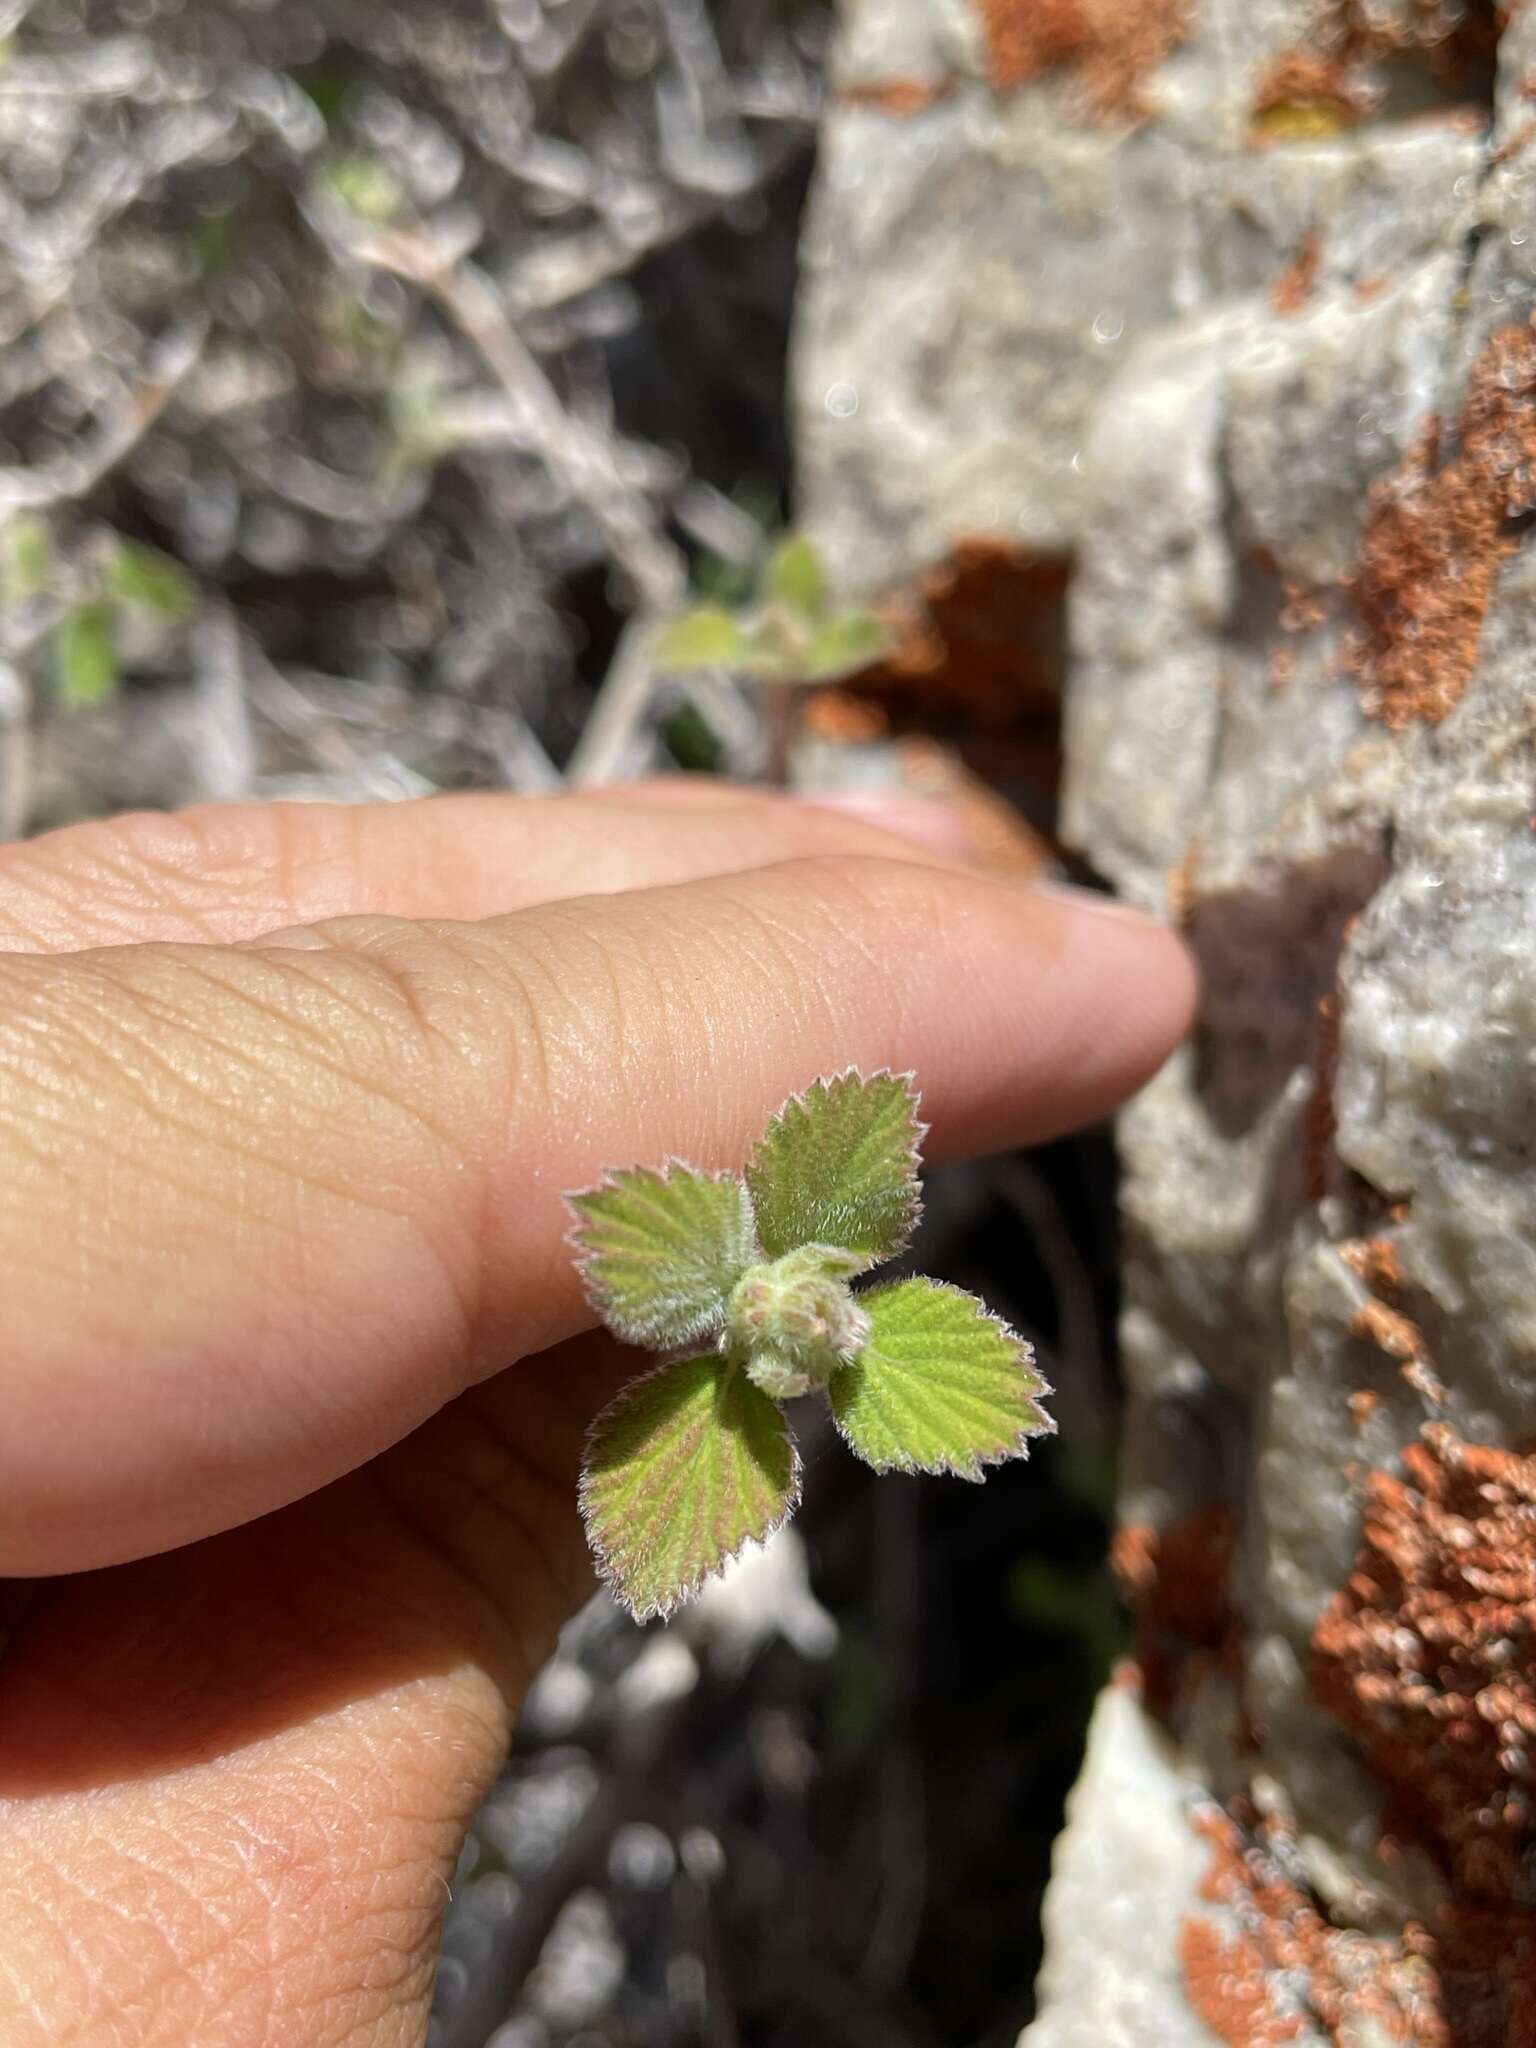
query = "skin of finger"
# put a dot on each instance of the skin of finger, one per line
(229, 873)
(289, 1889)
(266, 1210)
(234, 1780)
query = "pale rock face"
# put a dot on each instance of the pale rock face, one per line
(1187, 363)
(926, 45)
(976, 272)
(1122, 1883)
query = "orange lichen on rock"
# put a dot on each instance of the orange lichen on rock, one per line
(1428, 1656)
(1228, 1982)
(1388, 1329)
(902, 97)
(1176, 1581)
(1400, 1338)
(1437, 534)
(1278, 1967)
(1109, 45)
(1302, 606)
(1377, 1261)
(1230, 1976)
(1294, 286)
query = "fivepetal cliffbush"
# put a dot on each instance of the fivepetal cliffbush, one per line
(747, 1278)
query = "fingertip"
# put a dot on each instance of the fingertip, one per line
(1025, 1009)
(1127, 995)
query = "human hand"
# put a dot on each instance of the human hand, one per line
(292, 1351)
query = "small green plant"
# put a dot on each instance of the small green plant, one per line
(787, 635)
(26, 559)
(85, 664)
(156, 583)
(122, 583)
(748, 1278)
(102, 591)
(367, 187)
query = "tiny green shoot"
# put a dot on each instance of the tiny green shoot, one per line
(85, 660)
(139, 575)
(786, 636)
(744, 1281)
(367, 187)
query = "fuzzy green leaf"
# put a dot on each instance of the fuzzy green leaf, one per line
(794, 578)
(941, 1386)
(367, 186)
(843, 646)
(704, 638)
(838, 1166)
(661, 1251)
(84, 657)
(143, 576)
(26, 558)
(686, 1466)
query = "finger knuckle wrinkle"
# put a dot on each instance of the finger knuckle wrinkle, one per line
(222, 1042)
(90, 883)
(215, 855)
(564, 989)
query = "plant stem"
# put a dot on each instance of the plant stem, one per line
(781, 718)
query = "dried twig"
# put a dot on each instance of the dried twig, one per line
(73, 476)
(226, 754)
(148, 165)
(608, 738)
(580, 458)
(15, 750)
(553, 273)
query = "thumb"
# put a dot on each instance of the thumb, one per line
(264, 1208)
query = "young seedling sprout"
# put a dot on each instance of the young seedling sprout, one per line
(789, 636)
(744, 1279)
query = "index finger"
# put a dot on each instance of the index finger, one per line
(263, 1209)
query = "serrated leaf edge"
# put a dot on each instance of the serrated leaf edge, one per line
(978, 1464)
(663, 1610)
(584, 1255)
(912, 1187)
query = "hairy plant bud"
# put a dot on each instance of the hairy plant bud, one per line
(795, 1320)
